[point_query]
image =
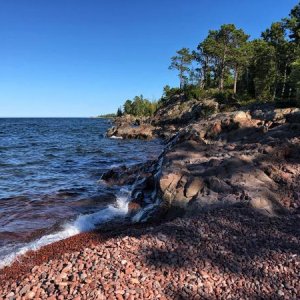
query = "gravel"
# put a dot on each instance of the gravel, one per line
(226, 253)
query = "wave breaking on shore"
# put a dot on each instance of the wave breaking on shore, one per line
(82, 223)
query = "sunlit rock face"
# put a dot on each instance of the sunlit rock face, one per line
(233, 157)
(228, 158)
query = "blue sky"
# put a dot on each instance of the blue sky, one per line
(72, 58)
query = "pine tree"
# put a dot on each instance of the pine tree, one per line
(181, 62)
(264, 70)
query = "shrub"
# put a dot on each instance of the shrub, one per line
(193, 92)
(225, 97)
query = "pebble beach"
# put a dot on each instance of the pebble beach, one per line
(230, 253)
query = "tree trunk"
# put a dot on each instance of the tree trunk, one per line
(274, 93)
(201, 83)
(284, 81)
(203, 80)
(221, 87)
(181, 81)
(221, 84)
(247, 80)
(235, 79)
(290, 93)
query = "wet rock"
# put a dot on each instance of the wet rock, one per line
(134, 207)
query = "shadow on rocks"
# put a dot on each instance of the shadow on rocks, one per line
(232, 251)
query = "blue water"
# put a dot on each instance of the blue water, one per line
(50, 171)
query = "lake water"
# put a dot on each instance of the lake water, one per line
(49, 179)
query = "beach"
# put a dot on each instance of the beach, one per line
(231, 252)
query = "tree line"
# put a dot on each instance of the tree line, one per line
(228, 61)
(265, 69)
(138, 107)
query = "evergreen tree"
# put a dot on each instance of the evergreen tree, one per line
(181, 62)
(293, 24)
(295, 78)
(119, 112)
(276, 36)
(204, 71)
(239, 55)
(140, 106)
(225, 50)
(128, 107)
(264, 70)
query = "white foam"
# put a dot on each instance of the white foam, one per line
(81, 224)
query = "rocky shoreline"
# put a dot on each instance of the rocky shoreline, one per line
(249, 156)
(219, 211)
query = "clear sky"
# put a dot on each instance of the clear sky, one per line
(69, 58)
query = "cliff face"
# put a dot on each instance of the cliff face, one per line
(249, 157)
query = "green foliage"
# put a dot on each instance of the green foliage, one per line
(181, 62)
(119, 112)
(128, 107)
(187, 93)
(233, 70)
(195, 92)
(169, 93)
(140, 107)
(246, 101)
(293, 24)
(225, 59)
(295, 79)
(264, 70)
(224, 97)
(285, 54)
(107, 116)
(224, 50)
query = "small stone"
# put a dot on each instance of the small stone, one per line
(121, 292)
(30, 295)
(11, 294)
(24, 290)
(63, 275)
(134, 281)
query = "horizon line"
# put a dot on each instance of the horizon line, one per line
(41, 117)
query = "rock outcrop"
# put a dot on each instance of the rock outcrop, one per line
(128, 131)
(166, 122)
(181, 112)
(241, 156)
(129, 127)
